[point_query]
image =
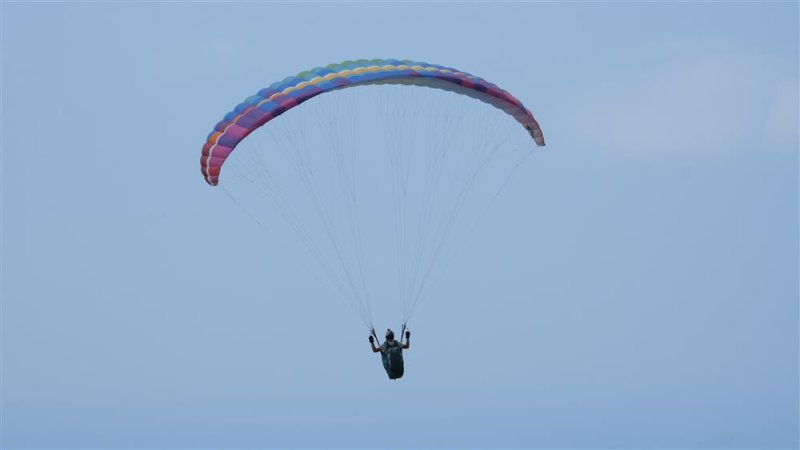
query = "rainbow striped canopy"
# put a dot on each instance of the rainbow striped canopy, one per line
(284, 95)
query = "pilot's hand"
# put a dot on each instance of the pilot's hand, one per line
(371, 340)
(408, 334)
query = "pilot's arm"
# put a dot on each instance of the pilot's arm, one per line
(372, 344)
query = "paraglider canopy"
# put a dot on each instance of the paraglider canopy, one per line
(401, 148)
(284, 95)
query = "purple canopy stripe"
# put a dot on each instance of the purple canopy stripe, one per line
(284, 95)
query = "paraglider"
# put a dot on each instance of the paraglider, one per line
(430, 184)
(391, 353)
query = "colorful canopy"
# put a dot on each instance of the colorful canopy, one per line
(292, 91)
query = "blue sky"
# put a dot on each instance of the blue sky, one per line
(636, 284)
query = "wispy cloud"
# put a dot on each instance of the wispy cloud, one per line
(691, 103)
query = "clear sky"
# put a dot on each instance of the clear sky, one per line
(636, 285)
